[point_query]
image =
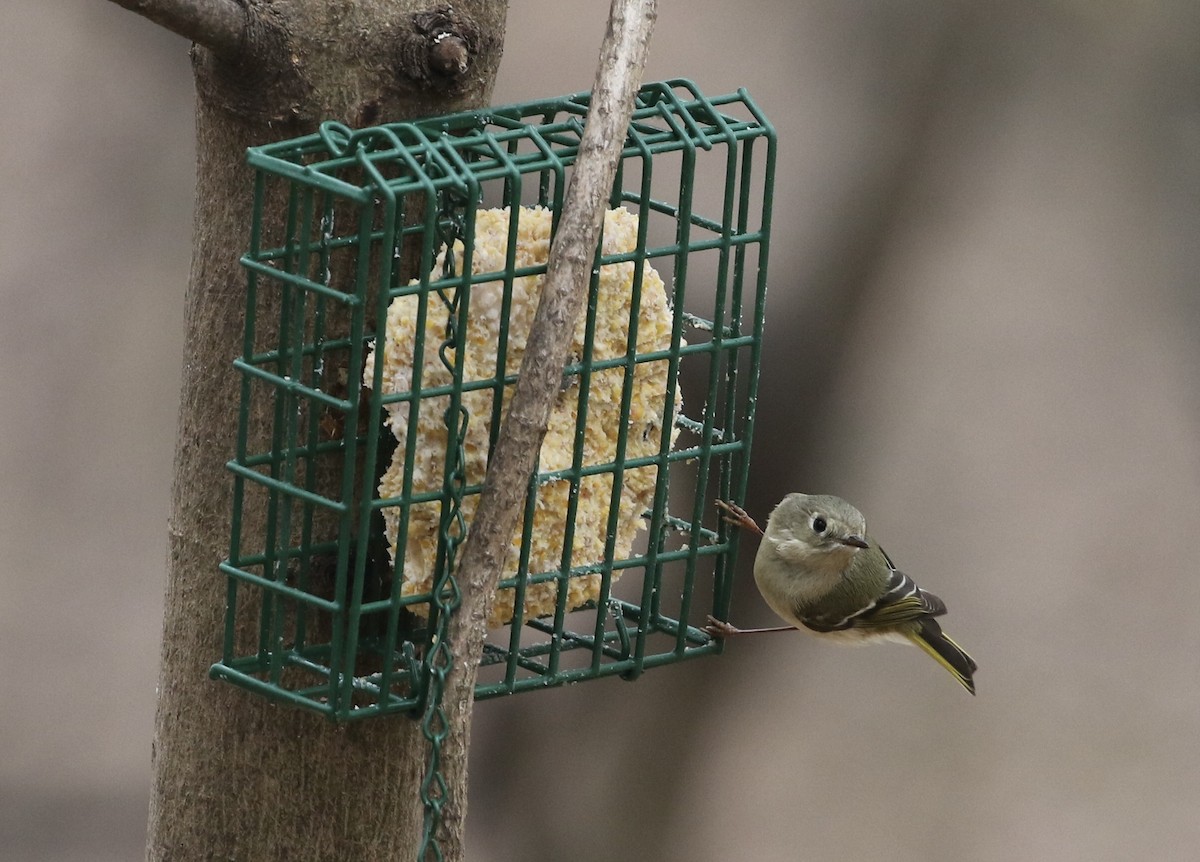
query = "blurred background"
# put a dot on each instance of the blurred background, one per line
(982, 329)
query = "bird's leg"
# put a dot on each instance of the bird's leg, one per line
(716, 628)
(731, 513)
(734, 514)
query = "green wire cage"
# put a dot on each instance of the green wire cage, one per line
(392, 277)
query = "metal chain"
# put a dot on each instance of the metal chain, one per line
(439, 660)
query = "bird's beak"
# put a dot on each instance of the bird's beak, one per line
(854, 542)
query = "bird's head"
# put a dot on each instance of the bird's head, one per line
(817, 532)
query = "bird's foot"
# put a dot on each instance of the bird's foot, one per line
(731, 513)
(716, 628)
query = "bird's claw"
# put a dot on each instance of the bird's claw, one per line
(731, 513)
(716, 628)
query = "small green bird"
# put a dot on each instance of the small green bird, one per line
(819, 570)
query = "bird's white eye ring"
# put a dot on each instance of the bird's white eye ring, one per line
(818, 524)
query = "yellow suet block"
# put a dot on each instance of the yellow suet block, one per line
(478, 354)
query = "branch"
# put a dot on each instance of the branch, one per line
(564, 294)
(219, 25)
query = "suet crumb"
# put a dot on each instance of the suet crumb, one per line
(603, 404)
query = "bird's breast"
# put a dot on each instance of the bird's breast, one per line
(788, 577)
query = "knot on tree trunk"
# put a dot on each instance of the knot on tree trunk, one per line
(438, 50)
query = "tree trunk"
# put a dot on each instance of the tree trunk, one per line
(234, 776)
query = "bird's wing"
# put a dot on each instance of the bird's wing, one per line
(902, 601)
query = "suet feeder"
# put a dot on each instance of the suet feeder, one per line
(393, 273)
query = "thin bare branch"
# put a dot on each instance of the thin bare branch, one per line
(216, 24)
(564, 294)
(622, 60)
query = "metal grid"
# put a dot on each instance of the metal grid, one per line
(346, 222)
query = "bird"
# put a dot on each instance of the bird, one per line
(819, 571)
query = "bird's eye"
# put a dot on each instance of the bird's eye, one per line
(819, 524)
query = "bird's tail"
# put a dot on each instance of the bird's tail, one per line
(946, 652)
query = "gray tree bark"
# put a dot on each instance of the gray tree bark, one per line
(235, 777)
